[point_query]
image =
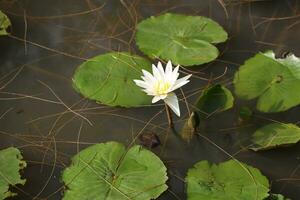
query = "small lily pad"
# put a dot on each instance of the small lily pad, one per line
(274, 135)
(109, 79)
(107, 171)
(275, 82)
(4, 23)
(228, 180)
(185, 40)
(215, 99)
(10, 164)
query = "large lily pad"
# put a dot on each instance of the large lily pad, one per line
(228, 180)
(4, 23)
(185, 40)
(275, 82)
(109, 79)
(106, 171)
(215, 99)
(274, 135)
(10, 164)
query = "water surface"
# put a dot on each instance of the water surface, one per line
(50, 38)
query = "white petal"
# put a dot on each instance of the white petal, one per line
(161, 70)
(149, 92)
(145, 79)
(159, 97)
(148, 80)
(169, 67)
(172, 101)
(163, 96)
(175, 71)
(168, 72)
(181, 82)
(175, 74)
(141, 83)
(156, 73)
(156, 99)
(148, 75)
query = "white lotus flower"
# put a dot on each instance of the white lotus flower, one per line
(162, 84)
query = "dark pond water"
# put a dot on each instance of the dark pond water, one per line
(62, 34)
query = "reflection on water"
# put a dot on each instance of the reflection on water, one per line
(62, 34)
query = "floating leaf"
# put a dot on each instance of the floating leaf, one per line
(10, 165)
(107, 171)
(109, 79)
(4, 23)
(228, 180)
(274, 135)
(215, 99)
(185, 40)
(275, 82)
(276, 197)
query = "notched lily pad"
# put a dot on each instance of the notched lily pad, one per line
(275, 82)
(215, 99)
(275, 135)
(227, 180)
(10, 165)
(185, 40)
(107, 171)
(109, 79)
(4, 23)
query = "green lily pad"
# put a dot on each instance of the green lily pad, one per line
(185, 40)
(276, 197)
(10, 164)
(274, 135)
(4, 23)
(228, 180)
(109, 79)
(107, 171)
(215, 99)
(275, 82)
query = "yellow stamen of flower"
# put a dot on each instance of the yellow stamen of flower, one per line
(162, 87)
